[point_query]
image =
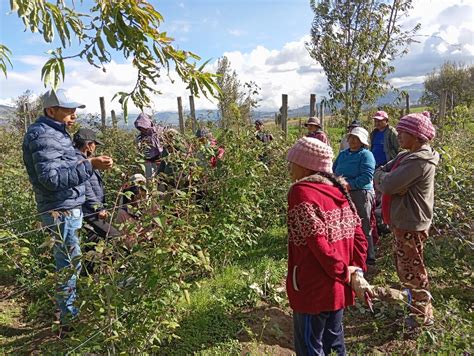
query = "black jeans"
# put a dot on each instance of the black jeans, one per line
(96, 230)
(319, 334)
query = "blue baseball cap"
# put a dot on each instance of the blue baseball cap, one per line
(59, 98)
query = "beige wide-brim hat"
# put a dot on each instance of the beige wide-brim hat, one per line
(314, 121)
(361, 133)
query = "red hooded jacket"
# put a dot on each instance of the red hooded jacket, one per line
(324, 238)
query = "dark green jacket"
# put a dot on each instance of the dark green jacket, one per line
(391, 147)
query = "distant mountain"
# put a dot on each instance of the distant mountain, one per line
(6, 113)
(415, 91)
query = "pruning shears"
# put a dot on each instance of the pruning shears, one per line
(368, 300)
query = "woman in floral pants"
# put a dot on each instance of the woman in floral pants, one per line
(407, 184)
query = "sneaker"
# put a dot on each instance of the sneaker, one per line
(65, 330)
(428, 322)
(383, 229)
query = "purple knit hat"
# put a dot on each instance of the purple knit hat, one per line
(418, 125)
(312, 154)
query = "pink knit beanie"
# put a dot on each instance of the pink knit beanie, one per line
(418, 125)
(312, 154)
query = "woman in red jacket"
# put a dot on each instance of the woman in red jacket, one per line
(326, 245)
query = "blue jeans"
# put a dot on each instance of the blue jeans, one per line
(319, 334)
(67, 255)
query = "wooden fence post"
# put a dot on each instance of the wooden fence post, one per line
(321, 114)
(193, 113)
(181, 116)
(114, 119)
(27, 114)
(102, 113)
(312, 104)
(25, 120)
(284, 114)
(300, 128)
(442, 111)
(407, 103)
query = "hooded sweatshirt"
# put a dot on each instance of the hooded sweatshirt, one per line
(411, 186)
(324, 238)
(150, 140)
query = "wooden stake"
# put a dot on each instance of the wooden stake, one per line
(312, 105)
(27, 114)
(25, 120)
(193, 113)
(181, 115)
(284, 114)
(321, 114)
(407, 103)
(102, 113)
(114, 119)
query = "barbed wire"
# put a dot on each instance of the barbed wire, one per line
(39, 214)
(110, 194)
(90, 338)
(42, 228)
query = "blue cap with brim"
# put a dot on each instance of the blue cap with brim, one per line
(59, 98)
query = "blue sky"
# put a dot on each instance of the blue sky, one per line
(265, 41)
(206, 27)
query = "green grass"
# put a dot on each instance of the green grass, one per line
(10, 314)
(218, 311)
(221, 305)
(214, 317)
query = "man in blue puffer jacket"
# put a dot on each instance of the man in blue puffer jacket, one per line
(58, 180)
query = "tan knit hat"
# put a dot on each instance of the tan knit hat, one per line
(312, 154)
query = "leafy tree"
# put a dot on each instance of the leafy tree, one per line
(250, 99)
(27, 108)
(236, 101)
(355, 42)
(130, 27)
(229, 86)
(455, 79)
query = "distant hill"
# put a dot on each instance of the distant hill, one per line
(6, 113)
(415, 92)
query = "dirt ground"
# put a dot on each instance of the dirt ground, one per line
(17, 334)
(270, 332)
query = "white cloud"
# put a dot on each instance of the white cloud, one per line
(7, 102)
(446, 34)
(86, 84)
(404, 81)
(280, 72)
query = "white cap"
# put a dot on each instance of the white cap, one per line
(361, 133)
(59, 98)
(137, 179)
